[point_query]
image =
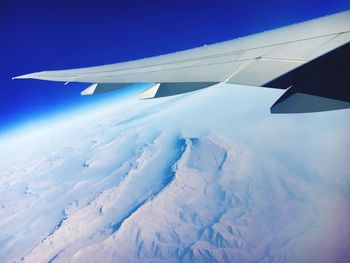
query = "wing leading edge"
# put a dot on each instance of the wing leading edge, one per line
(310, 59)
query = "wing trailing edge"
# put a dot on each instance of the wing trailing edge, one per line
(98, 88)
(159, 90)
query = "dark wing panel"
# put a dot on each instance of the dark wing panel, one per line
(322, 84)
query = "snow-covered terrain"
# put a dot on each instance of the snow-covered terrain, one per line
(209, 176)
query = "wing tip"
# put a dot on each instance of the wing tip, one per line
(26, 76)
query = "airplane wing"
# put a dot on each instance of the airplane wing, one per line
(311, 60)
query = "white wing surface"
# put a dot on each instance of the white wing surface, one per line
(310, 59)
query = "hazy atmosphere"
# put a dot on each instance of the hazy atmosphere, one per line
(206, 176)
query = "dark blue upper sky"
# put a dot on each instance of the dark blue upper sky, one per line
(44, 35)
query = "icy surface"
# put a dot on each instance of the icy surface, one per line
(210, 176)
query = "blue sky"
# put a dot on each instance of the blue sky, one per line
(44, 35)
